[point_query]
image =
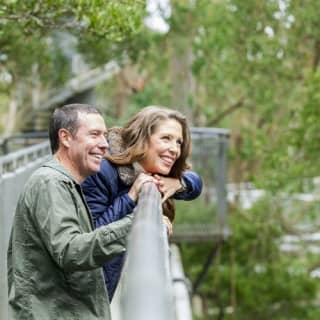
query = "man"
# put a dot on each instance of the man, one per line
(54, 254)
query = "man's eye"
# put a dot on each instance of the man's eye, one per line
(95, 134)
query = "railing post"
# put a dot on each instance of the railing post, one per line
(147, 291)
(221, 178)
(180, 287)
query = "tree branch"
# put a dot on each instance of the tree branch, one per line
(316, 58)
(226, 112)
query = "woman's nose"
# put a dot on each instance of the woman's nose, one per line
(174, 147)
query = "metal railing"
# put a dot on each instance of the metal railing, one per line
(146, 286)
(20, 141)
(82, 82)
(213, 148)
(181, 288)
(209, 159)
(149, 290)
(15, 169)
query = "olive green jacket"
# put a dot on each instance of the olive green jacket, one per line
(54, 254)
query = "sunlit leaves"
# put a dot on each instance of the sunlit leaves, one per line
(111, 19)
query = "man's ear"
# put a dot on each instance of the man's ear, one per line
(65, 137)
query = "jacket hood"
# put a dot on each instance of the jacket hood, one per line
(129, 172)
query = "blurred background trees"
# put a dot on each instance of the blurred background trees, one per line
(249, 66)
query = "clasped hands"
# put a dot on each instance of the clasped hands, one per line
(167, 186)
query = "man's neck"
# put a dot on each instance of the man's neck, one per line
(69, 165)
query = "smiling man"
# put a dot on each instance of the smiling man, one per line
(54, 254)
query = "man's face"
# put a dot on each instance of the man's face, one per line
(87, 147)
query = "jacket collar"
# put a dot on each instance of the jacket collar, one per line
(129, 172)
(54, 164)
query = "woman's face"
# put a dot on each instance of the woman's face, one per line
(164, 147)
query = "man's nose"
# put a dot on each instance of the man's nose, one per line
(104, 143)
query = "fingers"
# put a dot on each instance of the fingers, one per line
(142, 179)
(167, 186)
(136, 187)
(159, 182)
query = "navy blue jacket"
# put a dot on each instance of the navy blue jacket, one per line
(108, 200)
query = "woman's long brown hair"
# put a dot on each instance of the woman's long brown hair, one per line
(136, 135)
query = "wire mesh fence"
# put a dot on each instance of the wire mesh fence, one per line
(205, 218)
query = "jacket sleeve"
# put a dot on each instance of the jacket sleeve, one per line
(101, 191)
(67, 234)
(193, 186)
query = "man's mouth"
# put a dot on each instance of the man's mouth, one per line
(97, 156)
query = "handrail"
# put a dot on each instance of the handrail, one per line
(180, 286)
(147, 291)
(25, 139)
(15, 168)
(200, 132)
(80, 83)
(23, 157)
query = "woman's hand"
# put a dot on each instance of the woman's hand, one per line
(136, 187)
(167, 186)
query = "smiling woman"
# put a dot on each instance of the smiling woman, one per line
(152, 146)
(164, 147)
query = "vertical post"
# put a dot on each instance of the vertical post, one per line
(147, 288)
(180, 288)
(3, 254)
(221, 178)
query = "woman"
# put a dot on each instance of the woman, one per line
(152, 146)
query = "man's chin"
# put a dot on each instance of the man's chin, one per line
(94, 169)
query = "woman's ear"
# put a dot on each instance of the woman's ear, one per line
(65, 137)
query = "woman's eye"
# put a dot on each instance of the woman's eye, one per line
(179, 142)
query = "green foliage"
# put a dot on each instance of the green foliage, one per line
(3, 102)
(185, 212)
(110, 19)
(243, 65)
(34, 36)
(95, 22)
(251, 276)
(296, 152)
